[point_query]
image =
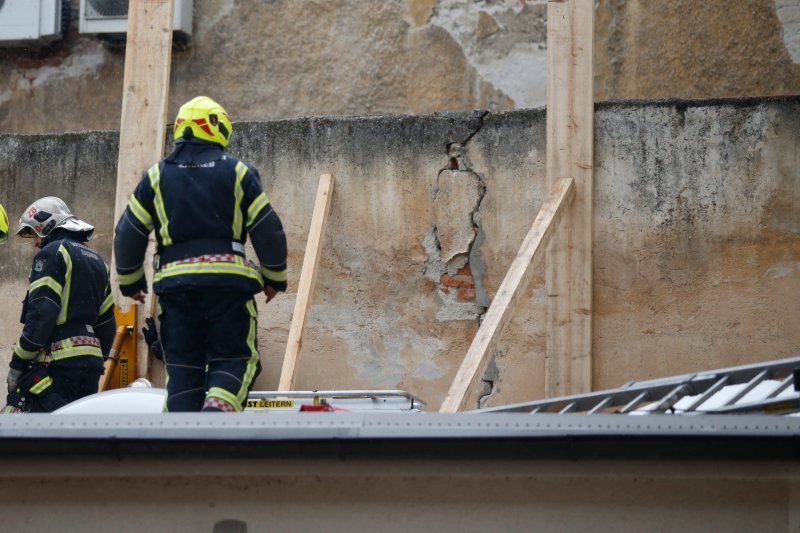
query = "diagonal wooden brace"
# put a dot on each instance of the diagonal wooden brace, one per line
(517, 278)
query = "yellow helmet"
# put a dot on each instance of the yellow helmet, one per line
(206, 119)
(3, 224)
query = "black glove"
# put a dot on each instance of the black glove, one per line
(151, 338)
(15, 403)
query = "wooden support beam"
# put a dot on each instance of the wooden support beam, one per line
(308, 277)
(148, 55)
(570, 137)
(517, 278)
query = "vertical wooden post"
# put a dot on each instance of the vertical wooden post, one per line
(570, 137)
(308, 276)
(145, 89)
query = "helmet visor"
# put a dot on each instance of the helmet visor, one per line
(26, 232)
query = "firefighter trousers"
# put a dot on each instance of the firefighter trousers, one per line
(72, 379)
(210, 349)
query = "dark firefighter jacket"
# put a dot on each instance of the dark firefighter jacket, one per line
(202, 204)
(68, 310)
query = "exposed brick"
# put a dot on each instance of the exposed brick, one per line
(458, 281)
(461, 280)
(465, 295)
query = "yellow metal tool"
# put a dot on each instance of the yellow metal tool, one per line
(120, 367)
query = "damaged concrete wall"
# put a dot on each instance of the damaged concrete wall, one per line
(291, 58)
(697, 239)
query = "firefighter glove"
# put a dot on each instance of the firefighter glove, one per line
(13, 379)
(150, 333)
(15, 403)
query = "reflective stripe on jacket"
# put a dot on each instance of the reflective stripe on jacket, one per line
(69, 296)
(201, 203)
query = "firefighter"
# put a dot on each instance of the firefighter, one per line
(68, 312)
(202, 204)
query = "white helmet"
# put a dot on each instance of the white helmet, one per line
(48, 213)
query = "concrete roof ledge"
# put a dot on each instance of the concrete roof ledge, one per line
(419, 435)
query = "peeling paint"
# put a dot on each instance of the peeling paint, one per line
(452, 310)
(434, 268)
(458, 195)
(789, 14)
(420, 11)
(75, 66)
(511, 53)
(783, 269)
(489, 381)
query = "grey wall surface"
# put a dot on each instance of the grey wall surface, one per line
(696, 258)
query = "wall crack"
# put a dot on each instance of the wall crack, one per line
(453, 240)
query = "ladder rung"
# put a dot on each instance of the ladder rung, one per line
(711, 391)
(633, 403)
(669, 400)
(782, 386)
(747, 388)
(568, 408)
(601, 405)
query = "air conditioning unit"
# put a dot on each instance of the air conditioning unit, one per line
(110, 17)
(32, 22)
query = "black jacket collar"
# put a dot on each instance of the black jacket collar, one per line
(194, 151)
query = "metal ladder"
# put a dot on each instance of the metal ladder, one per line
(757, 388)
(349, 400)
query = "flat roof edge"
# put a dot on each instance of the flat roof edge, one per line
(401, 435)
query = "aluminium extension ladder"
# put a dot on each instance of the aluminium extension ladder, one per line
(385, 401)
(768, 388)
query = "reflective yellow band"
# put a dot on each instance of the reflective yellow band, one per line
(255, 208)
(108, 303)
(161, 212)
(238, 194)
(92, 351)
(252, 363)
(133, 277)
(62, 316)
(68, 350)
(46, 281)
(41, 386)
(238, 267)
(275, 275)
(23, 353)
(222, 394)
(140, 213)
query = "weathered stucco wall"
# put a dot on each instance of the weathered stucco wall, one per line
(697, 238)
(293, 58)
